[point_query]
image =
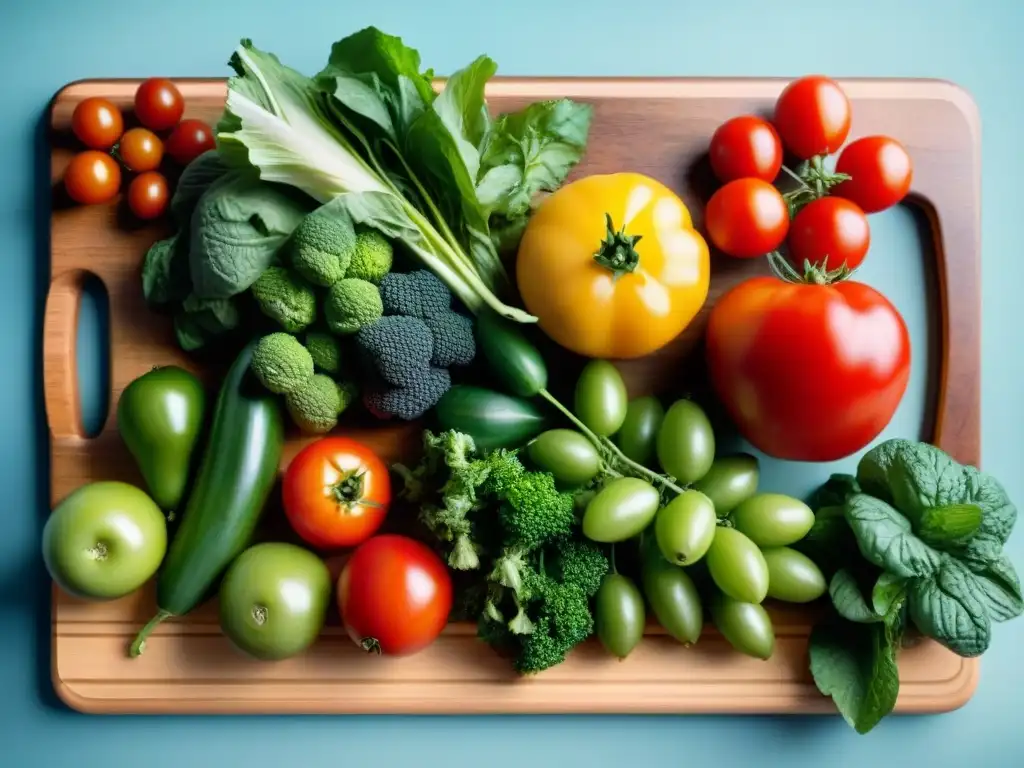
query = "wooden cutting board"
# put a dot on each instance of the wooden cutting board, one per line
(660, 127)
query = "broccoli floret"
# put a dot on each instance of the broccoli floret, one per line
(325, 348)
(321, 247)
(581, 563)
(286, 298)
(314, 406)
(348, 391)
(397, 349)
(372, 256)
(281, 363)
(453, 339)
(417, 294)
(535, 512)
(411, 401)
(351, 304)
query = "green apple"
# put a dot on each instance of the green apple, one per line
(104, 540)
(274, 600)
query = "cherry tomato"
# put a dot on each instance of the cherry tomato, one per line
(92, 177)
(140, 150)
(746, 146)
(395, 595)
(158, 104)
(189, 139)
(829, 232)
(747, 218)
(97, 123)
(880, 173)
(807, 372)
(812, 116)
(336, 492)
(148, 195)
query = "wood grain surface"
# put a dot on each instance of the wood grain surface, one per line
(659, 127)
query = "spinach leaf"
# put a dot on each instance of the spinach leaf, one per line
(193, 182)
(165, 278)
(848, 599)
(238, 227)
(951, 607)
(999, 589)
(885, 538)
(998, 514)
(888, 591)
(200, 321)
(855, 664)
(834, 491)
(463, 109)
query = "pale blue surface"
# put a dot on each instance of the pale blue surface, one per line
(974, 43)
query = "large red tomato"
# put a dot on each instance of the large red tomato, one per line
(336, 492)
(808, 372)
(395, 595)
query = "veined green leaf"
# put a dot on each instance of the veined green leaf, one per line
(885, 538)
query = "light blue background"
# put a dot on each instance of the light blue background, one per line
(46, 43)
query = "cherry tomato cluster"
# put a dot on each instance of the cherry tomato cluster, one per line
(95, 175)
(823, 220)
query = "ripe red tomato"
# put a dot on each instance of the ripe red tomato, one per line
(92, 177)
(747, 218)
(746, 146)
(336, 492)
(148, 195)
(808, 372)
(140, 150)
(394, 595)
(880, 173)
(812, 116)
(189, 139)
(829, 232)
(97, 123)
(158, 104)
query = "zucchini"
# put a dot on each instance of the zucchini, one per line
(514, 360)
(492, 419)
(238, 470)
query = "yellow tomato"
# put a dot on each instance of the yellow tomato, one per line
(612, 267)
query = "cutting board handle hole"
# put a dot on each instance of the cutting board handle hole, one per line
(92, 353)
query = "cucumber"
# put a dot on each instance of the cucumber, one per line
(492, 419)
(511, 356)
(235, 478)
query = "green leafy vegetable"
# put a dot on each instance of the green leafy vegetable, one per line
(236, 230)
(165, 278)
(928, 533)
(370, 137)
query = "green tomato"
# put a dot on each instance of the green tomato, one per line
(731, 480)
(638, 434)
(685, 527)
(618, 615)
(160, 417)
(566, 454)
(601, 399)
(792, 576)
(686, 442)
(746, 626)
(673, 597)
(737, 566)
(772, 519)
(620, 510)
(274, 599)
(104, 540)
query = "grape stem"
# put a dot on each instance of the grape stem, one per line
(611, 453)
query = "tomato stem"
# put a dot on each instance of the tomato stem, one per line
(617, 252)
(139, 643)
(371, 645)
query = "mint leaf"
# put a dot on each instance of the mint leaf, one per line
(952, 608)
(885, 538)
(855, 664)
